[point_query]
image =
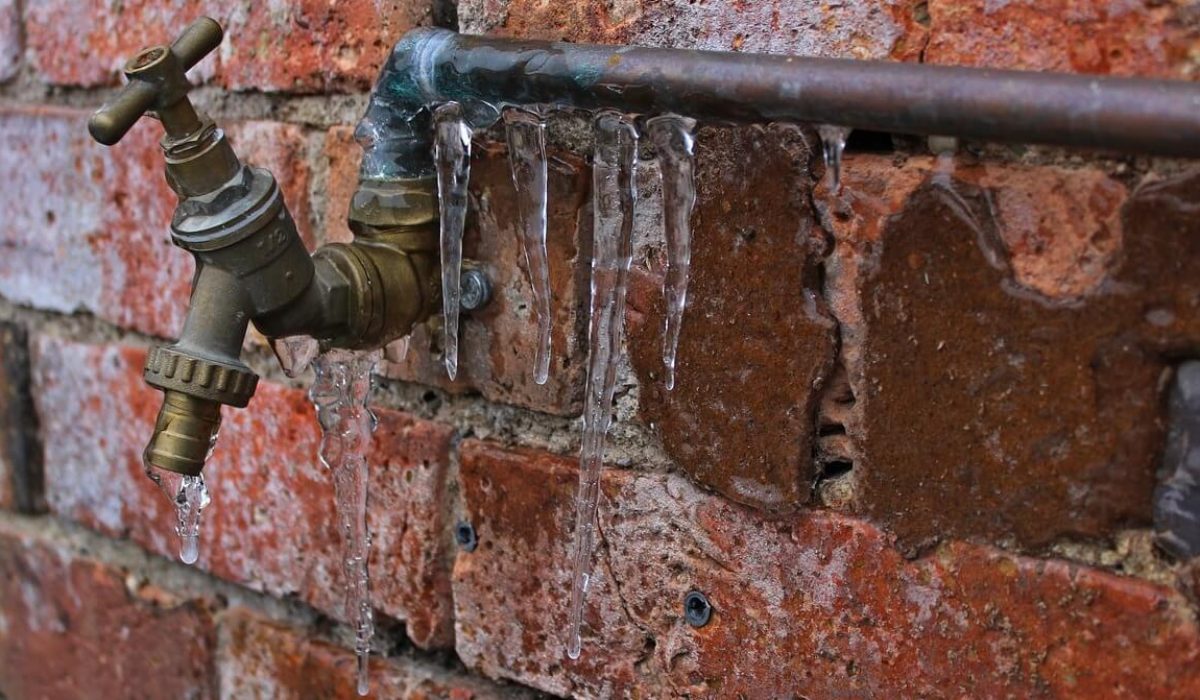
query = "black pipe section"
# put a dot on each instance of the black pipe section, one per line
(429, 66)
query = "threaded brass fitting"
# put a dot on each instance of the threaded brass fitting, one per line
(184, 434)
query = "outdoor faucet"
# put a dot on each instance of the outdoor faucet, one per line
(251, 265)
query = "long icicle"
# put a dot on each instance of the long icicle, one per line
(452, 156)
(340, 393)
(672, 136)
(526, 135)
(614, 193)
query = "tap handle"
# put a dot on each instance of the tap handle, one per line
(201, 38)
(158, 82)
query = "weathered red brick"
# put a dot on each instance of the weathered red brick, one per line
(873, 29)
(298, 46)
(343, 156)
(258, 658)
(271, 525)
(1005, 331)
(20, 458)
(815, 604)
(10, 39)
(497, 343)
(86, 227)
(1138, 37)
(756, 343)
(74, 627)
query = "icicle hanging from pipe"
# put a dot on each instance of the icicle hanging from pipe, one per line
(614, 169)
(452, 159)
(526, 135)
(833, 142)
(672, 136)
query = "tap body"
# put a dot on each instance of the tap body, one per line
(252, 266)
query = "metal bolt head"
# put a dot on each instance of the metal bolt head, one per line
(464, 535)
(476, 290)
(696, 609)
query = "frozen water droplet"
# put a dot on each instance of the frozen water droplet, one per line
(452, 158)
(397, 350)
(340, 393)
(363, 684)
(943, 148)
(526, 135)
(295, 353)
(833, 142)
(189, 495)
(614, 169)
(672, 136)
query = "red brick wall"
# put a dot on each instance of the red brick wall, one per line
(911, 452)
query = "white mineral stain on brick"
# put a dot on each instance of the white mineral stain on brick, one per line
(86, 429)
(481, 16)
(848, 30)
(51, 204)
(10, 39)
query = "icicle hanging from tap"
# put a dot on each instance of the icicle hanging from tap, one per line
(833, 142)
(340, 393)
(672, 136)
(526, 135)
(295, 353)
(614, 191)
(189, 495)
(397, 350)
(452, 159)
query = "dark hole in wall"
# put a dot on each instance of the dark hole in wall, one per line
(1177, 498)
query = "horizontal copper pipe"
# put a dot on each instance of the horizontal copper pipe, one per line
(1157, 117)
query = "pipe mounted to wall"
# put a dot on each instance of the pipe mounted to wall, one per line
(429, 66)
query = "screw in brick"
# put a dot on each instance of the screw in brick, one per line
(696, 609)
(464, 535)
(476, 290)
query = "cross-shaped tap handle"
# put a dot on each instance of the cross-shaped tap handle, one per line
(158, 83)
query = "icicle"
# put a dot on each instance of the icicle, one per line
(340, 393)
(672, 136)
(295, 353)
(452, 158)
(833, 142)
(526, 133)
(614, 194)
(189, 495)
(397, 350)
(943, 148)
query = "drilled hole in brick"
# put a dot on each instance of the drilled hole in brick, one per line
(836, 467)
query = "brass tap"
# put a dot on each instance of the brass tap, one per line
(251, 266)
